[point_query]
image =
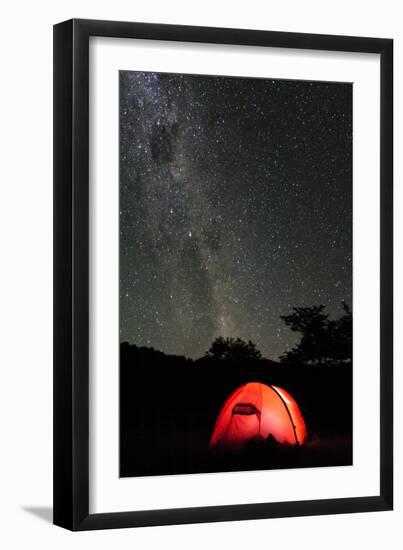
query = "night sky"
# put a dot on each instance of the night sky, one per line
(235, 206)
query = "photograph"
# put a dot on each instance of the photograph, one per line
(235, 273)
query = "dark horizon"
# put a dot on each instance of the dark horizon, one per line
(235, 207)
(203, 355)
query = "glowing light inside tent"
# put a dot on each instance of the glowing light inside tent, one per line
(255, 410)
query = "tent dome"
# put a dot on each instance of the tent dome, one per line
(258, 411)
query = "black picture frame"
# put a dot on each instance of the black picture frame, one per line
(71, 274)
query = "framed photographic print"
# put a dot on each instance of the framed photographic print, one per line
(223, 321)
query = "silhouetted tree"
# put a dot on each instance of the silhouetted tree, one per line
(323, 341)
(233, 349)
(344, 334)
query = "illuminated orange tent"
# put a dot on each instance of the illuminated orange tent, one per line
(255, 410)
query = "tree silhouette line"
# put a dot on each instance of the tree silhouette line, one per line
(234, 349)
(323, 341)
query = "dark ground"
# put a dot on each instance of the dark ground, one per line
(169, 404)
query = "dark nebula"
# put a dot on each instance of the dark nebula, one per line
(235, 206)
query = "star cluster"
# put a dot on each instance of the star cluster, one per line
(235, 206)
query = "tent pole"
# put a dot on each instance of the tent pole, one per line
(288, 412)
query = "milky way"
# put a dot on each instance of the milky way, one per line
(235, 206)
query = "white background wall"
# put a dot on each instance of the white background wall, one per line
(26, 271)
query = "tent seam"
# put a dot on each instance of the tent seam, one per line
(289, 414)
